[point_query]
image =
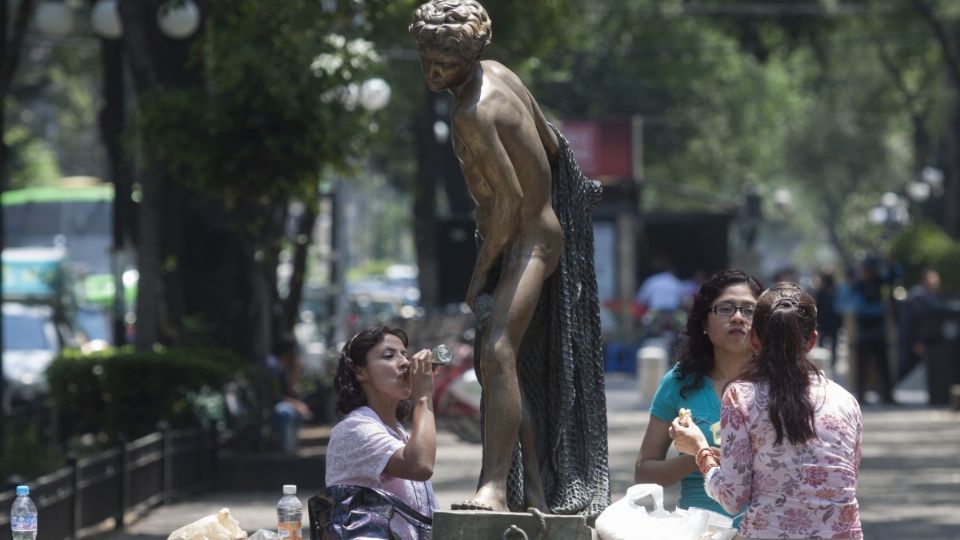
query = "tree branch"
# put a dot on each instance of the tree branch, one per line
(949, 48)
(911, 98)
(11, 56)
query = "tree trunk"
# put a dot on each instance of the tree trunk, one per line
(156, 62)
(951, 60)
(111, 124)
(951, 185)
(304, 233)
(11, 41)
(425, 203)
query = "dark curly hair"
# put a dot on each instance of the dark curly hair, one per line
(785, 320)
(695, 354)
(460, 27)
(350, 395)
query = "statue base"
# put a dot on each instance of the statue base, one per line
(478, 525)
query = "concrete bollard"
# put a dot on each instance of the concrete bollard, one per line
(651, 367)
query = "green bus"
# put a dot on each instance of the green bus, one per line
(75, 216)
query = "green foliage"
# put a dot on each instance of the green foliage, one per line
(32, 161)
(270, 115)
(54, 111)
(129, 392)
(28, 450)
(925, 246)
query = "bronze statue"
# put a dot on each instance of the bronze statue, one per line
(516, 165)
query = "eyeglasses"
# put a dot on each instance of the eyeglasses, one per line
(726, 311)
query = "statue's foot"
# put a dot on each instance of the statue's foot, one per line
(472, 505)
(487, 499)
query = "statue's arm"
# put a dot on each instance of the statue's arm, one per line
(488, 160)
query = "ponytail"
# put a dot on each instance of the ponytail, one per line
(785, 319)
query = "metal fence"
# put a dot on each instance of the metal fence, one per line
(113, 487)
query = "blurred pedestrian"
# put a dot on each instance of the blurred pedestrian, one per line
(867, 303)
(285, 367)
(713, 353)
(829, 320)
(791, 437)
(663, 291)
(660, 297)
(378, 384)
(922, 298)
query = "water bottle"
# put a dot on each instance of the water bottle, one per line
(23, 516)
(289, 514)
(442, 355)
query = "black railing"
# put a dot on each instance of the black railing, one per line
(116, 485)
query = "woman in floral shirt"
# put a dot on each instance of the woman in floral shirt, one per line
(790, 437)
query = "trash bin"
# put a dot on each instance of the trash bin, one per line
(939, 329)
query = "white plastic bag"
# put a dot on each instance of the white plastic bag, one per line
(628, 518)
(719, 526)
(219, 526)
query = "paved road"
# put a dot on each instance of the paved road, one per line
(909, 482)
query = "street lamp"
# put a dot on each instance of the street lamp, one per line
(374, 94)
(929, 182)
(105, 19)
(891, 213)
(53, 18)
(177, 20)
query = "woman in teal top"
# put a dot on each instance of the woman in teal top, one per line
(714, 351)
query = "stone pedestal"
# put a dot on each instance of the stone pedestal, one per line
(474, 525)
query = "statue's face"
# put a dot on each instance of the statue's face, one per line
(442, 70)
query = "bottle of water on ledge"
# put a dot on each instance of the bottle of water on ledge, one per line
(289, 514)
(23, 516)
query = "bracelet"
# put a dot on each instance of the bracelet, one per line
(706, 459)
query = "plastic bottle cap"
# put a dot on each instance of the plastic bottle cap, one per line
(289, 489)
(25, 490)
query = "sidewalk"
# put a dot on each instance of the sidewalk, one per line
(909, 480)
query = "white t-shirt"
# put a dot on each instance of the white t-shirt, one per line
(662, 292)
(359, 449)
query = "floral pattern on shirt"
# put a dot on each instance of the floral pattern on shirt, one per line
(806, 491)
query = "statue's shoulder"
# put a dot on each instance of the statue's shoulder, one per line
(497, 69)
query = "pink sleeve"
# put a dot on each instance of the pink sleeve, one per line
(729, 484)
(857, 454)
(364, 447)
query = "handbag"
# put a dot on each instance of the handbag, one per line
(344, 512)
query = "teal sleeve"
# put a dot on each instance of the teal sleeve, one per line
(666, 401)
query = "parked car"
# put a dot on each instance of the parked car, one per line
(94, 330)
(31, 340)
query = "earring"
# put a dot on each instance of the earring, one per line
(704, 331)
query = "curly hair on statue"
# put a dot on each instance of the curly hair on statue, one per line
(350, 394)
(695, 354)
(460, 27)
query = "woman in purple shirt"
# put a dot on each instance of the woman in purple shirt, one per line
(377, 385)
(790, 438)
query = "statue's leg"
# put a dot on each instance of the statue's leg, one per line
(532, 484)
(514, 301)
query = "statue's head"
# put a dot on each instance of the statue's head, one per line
(452, 27)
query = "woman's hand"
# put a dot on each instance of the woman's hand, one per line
(421, 375)
(688, 439)
(416, 459)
